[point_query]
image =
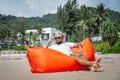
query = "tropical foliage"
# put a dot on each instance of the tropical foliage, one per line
(67, 17)
(82, 22)
(109, 32)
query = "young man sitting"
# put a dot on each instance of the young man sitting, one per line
(65, 48)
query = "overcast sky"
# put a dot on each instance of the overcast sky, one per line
(34, 8)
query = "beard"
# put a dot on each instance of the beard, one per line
(59, 42)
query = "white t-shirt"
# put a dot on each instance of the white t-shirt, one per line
(64, 48)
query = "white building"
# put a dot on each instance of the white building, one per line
(119, 34)
(47, 33)
(41, 39)
(96, 39)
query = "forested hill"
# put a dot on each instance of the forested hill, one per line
(49, 20)
(14, 22)
(115, 16)
(46, 19)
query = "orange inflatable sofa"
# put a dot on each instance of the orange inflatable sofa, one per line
(44, 60)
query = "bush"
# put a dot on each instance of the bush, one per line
(100, 47)
(18, 47)
(103, 47)
(3, 49)
(13, 47)
(114, 49)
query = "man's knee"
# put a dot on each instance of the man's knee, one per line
(75, 56)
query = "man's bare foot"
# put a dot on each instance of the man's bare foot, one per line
(95, 66)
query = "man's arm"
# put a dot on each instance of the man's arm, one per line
(48, 42)
(79, 46)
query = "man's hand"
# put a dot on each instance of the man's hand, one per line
(51, 39)
(79, 46)
(48, 42)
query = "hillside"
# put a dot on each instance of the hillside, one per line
(48, 20)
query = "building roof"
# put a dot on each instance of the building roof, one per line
(33, 31)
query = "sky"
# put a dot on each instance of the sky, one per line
(38, 8)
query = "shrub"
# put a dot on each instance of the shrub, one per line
(18, 47)
(114, 49)
(3, 49)
(103, 47)
(100, 47)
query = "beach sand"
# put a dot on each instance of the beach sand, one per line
(17, 68)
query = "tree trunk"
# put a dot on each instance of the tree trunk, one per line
(101, 32)
(67, 36)
(83, 33)
(108, 41)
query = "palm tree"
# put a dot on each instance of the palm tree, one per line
(110, 31)
(30, 37)
(22, 32)
(101, 14)
(8, 35)
(67, 17)
(60, 19)
(2, 34)
(34, 38)
(40, 31)
(84, 17)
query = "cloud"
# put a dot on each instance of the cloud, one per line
(34, 8)
(40, 7)
(6, 8)
(33, 4)
(92, 3)
(13, 7)
(86, 2)
(114, 5)
(50, 11)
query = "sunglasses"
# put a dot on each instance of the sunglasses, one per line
(58, 37)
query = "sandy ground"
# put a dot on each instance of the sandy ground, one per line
(17, 68)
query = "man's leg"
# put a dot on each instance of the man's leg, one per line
(82, 56)
(93, 66)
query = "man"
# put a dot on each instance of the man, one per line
(65, 48)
